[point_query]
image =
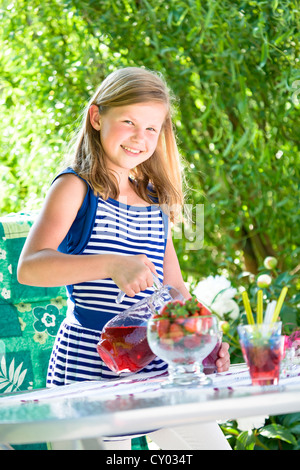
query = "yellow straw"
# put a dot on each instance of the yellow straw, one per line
(250, 318)
(279, 304)
(260, 306)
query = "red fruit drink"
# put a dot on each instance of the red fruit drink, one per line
(263, 363)
(125, 348)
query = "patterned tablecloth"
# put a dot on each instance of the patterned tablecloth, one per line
(237, 379)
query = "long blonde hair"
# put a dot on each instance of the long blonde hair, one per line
(162, 171)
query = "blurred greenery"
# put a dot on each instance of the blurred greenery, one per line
(234, 68)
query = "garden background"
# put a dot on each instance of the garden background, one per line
(233, 67)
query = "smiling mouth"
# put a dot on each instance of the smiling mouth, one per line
(129, 149)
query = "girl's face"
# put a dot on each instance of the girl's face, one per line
(129, 134)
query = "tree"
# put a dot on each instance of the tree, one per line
(234, 69)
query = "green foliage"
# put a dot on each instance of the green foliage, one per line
(233, 67)
(278, 432)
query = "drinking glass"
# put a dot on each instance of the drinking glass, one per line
(262, 349)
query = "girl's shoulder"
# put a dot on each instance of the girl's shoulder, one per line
(70, 184)
(78, 191)
(70, 175)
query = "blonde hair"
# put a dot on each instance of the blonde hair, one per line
(162, 171)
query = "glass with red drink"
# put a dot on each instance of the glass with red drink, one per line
(261, 348)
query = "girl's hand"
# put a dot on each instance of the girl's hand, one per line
(132, 274)
(223, 362)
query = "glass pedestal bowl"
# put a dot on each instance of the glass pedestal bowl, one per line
(183, 343)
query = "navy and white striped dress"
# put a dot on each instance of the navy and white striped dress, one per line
(118, 229)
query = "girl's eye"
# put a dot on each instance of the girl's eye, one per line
(127, 121)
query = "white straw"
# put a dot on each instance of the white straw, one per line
(269, 311)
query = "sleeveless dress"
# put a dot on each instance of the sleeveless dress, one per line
(115, 228)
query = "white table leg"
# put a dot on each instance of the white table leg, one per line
(206, 436)
(78, 444)
(92, 444)
(117, 445)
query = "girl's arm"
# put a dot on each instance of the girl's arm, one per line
(40, 263)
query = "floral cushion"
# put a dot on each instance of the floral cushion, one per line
(29, 316)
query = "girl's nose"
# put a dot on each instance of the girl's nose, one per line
(138, 135)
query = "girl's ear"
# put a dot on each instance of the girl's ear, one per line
(95, 117)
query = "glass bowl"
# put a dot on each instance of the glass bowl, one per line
(183, 343)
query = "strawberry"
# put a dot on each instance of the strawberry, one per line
(177, 320)
(178, 309)
(163, 312)
(173, 309)
(204, 311)
(180, 320)
(177, 302)
(162, 327)
(176, 332)
(191, 324)
(192, 306)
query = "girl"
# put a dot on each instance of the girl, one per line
(101, 228)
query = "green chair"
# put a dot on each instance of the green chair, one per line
(29, 316)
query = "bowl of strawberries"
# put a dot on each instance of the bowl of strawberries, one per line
(183, 334)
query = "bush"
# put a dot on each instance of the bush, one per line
(232, 65)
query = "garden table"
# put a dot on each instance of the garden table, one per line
(83, 412)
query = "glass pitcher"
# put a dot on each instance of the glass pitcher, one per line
(123, 344)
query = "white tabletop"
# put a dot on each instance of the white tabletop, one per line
(138, 405)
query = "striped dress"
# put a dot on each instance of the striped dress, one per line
(118, 229)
